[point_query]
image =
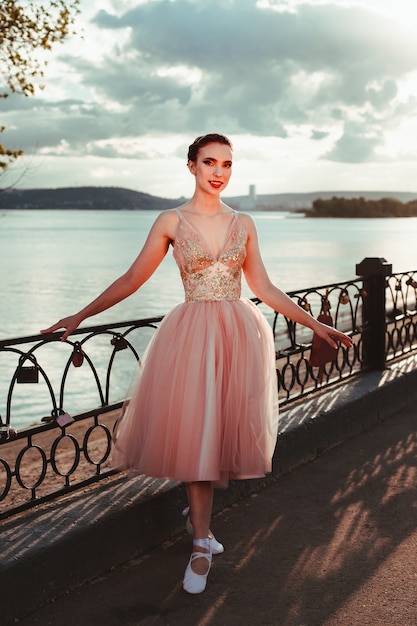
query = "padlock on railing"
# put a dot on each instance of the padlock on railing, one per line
(119, 343)
(6, 432)
(77, 357)
(27, 373)
(58, 415)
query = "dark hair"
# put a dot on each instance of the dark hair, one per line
(203, 140)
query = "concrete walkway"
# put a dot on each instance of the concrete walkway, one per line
(332, 543)
(326, 542)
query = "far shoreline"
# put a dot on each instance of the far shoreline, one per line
(121, 199)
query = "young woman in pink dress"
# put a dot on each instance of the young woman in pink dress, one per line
(205, 409)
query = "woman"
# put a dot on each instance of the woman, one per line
(205, 408)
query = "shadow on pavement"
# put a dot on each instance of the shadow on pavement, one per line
(332, 543)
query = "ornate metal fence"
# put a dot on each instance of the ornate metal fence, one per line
(65, 449)
(401, 322)
(69, 447)
(343, 304)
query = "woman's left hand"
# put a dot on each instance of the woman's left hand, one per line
(331, 335)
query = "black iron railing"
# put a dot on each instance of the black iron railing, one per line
(296, 377)
(401, 315)
(69, 447)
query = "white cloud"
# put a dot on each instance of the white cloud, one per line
(336, 78)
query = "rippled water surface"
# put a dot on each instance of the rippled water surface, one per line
(54, 262)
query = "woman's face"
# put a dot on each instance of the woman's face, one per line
(213, 167)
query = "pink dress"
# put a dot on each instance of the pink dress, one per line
(205, 407)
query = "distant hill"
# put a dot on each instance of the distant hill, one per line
(118, 198)
(300, 201)
(362, 207)
(96, 198)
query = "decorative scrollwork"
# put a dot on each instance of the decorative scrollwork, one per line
(61, 459)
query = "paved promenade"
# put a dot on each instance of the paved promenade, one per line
(332, 543)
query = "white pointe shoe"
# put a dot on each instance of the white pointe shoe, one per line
(215, 546)
(193, 582)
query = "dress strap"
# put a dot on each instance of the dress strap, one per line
(178, 212)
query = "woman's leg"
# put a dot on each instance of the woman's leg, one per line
(200, 500)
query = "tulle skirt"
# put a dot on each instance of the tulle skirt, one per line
(205, 407)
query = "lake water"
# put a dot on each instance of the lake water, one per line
(54, 262)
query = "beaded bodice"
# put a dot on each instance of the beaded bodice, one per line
(205, 276)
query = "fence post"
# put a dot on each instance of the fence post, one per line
(374, 271)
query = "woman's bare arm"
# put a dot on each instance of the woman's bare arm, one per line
(148, 260)
(261, 285)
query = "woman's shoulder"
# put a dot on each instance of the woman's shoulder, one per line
(169, 216)
(247, 221)
(166, 223)
(173, 215)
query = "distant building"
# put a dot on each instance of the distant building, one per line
(252, 196)
(248, 202)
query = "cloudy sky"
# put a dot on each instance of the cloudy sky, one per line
(314, 95)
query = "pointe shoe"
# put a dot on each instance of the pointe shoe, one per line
(193, 582)
(215, 546)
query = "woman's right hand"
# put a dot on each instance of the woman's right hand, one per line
(70, 323)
